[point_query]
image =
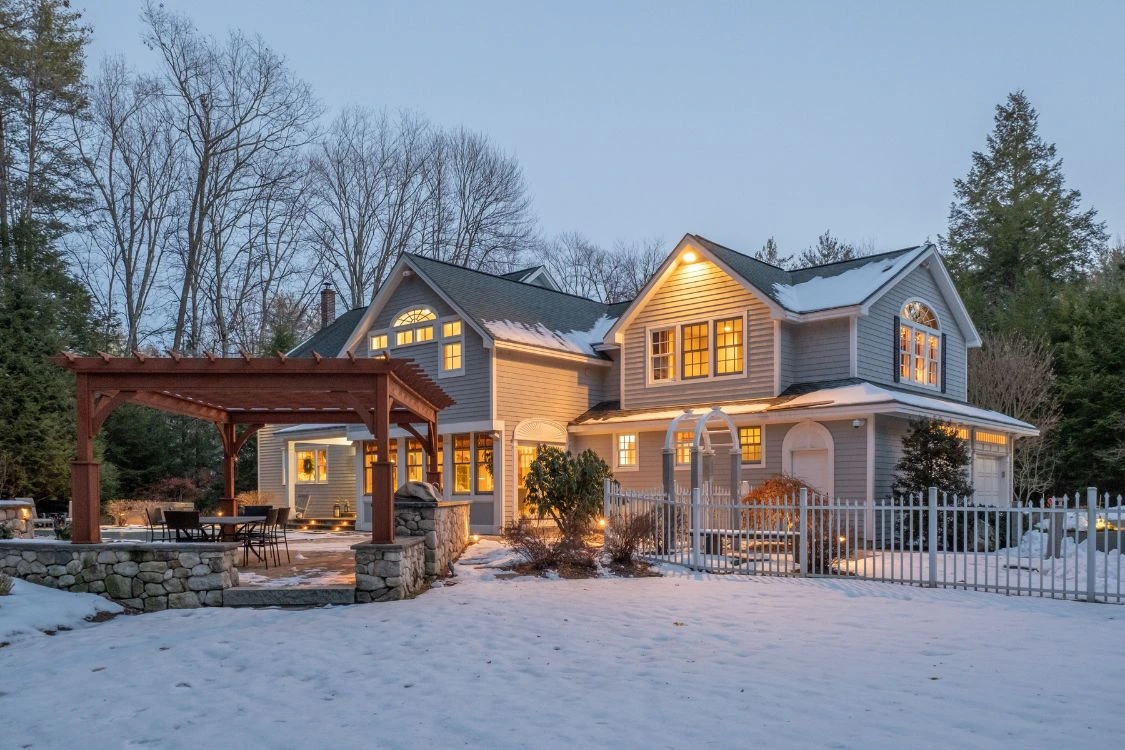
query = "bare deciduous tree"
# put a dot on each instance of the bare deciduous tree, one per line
(1014, 375)
(584, 268)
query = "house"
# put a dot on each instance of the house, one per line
(822, 370)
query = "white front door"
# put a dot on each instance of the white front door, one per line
(988, 479)
(813, 468)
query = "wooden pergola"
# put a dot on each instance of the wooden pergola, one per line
(242, 395)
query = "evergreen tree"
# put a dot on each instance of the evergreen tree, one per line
(770, 254)
(1015, 229)
(43, 310)
(933, 456)
(828, 249)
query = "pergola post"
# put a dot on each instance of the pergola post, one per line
(382, 485)
(85, 476)
(228, 505)
(433, 471)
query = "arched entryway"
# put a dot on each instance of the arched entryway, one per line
(527, 437)
(808, 453)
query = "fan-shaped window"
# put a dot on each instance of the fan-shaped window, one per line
(919, 345)
(417, 315)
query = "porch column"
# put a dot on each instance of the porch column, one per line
(85, 474)
(382, 486)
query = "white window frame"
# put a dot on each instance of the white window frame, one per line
(371, 350)
(316, 465)
(762, 442)
(413, 328)
(617, 465)
(443, 340)
(678, 350)
(916, 328)
(676, 448)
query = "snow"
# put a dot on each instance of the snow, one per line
(687, 660)
(31, 609)
(579, 342)
(852, 287)
(866, 395)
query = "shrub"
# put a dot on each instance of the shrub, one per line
(533, 543)
(5, 584)
(624, 535)
(6, 531)
(568, 490)
(933, 456)
(772, 506)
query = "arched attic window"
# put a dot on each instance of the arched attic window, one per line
(921, 346)
(414, 326)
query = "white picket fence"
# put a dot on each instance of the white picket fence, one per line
(930, 539)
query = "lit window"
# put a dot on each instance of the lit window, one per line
(728, 346)
(425, 333)
(312, 465)
(662, 354)
(451, 356)
(696, 350)
(919, 345)
(462, 465)
(750, 440)
(414, 461)
(378, 342)
(417, 315)
(403, 338)
(393, 451)
(484, 462)
(626, 451)
(450, 329)
(370, 455)
(684, 440)
(991, 438)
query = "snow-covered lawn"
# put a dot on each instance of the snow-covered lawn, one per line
(688, 660)
(32, 610)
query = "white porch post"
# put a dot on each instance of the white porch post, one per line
(290, 476)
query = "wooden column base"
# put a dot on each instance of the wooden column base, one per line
(85, 522)
(228, 506)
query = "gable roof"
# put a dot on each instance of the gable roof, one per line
(331, 339)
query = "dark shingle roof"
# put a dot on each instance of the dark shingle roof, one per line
(330, 339)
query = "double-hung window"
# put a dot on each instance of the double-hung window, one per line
(696, 357)
(452, 360)
(626, 451)
(414, 461)
(684, 440)
(462, 465)
(484, 463)
(728, 346)
(750, 441)
(662, 355)
(919, 345)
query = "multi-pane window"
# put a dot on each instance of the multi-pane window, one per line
(450, 329)
(415, 461)
(462, 465)
(417, 315)
(312, 465)
(750, 440)
(627, 451)
(684, 439)
(371, 455)
(378, 342)
(662, 354)
(484, 462)
(696, 358)
(919, 345)
(452, 359)
(415, 326)
(451, 356)
(392, 452)
(728, 346)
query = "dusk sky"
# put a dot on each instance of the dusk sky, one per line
(732, 120)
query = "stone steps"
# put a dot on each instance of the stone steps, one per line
(288, 596)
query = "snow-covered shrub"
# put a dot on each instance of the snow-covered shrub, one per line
(624, 535)
(5, 584)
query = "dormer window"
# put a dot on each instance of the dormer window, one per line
(919, 345)
(414, 326)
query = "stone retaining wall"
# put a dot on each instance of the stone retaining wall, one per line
(390, 571)
(444, 526)
(16, 515)
(143, 576)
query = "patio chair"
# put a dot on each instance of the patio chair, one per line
(254, 510)
(303, 503)
(185, 524)
(261, 537)
(281, 533)
(154, 518)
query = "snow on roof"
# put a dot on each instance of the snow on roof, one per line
(851, 287)
(579, 342)
(865, 395)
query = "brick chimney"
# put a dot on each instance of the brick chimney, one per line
(327, 305)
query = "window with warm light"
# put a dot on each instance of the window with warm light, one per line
(451, 358)
(750, 441)
(415, 461)
(728, 347)
(378, 342)
(393, 455)
(370, 456)
(484, 463)
(414, 326)
(696, 350)
(919, 345)
(462, 465)
(662, 355)
(627, 451)
(312, 465)
(684, 440)
(450, 329)
(417, 315)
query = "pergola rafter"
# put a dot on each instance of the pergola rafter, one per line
(242, 395)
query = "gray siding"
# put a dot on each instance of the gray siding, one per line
(698, 292)
(471, 390)
(271, 450)
(849, 449)
(889, 432)
(786, 354)
(877, 351)
(339, 487)
(821, 350)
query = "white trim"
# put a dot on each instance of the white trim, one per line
(853, 346)
(776, 357)
(615, 447)
(829, 313)
(804, 433)
(543, 351)
(870, 425)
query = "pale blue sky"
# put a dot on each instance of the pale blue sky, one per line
(732, 120)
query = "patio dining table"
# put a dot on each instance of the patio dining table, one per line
(232, 525)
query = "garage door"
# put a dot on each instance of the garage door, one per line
(812, 467)
(988, 480)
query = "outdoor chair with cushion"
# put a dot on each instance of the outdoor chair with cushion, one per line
(185, 524)
(154, 518)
